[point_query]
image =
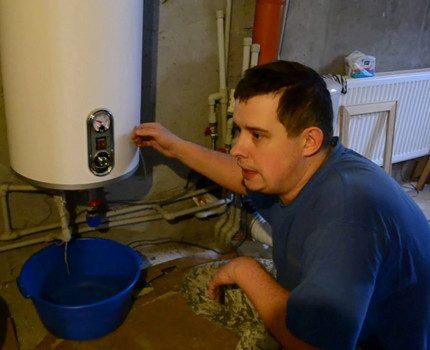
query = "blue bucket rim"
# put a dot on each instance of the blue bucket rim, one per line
(97, 303)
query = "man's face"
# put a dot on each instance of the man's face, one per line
(271, 162)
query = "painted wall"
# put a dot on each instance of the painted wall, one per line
(321, 33)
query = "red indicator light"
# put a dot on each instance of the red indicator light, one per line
(101, 143)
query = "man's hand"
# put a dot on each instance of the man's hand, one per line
(268, 297)
(156, 136)
(224, 276)
(219, 167)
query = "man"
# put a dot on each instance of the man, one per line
(352, 251)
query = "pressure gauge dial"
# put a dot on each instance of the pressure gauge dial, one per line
(101, 121)
(100, 133)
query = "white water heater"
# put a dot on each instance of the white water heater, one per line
(72, 87)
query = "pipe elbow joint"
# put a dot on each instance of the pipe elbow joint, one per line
(212, 117)
(247, 41)
(255, 48)
(213, 98)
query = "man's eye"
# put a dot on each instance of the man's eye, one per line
(256, 135)
(235, 131)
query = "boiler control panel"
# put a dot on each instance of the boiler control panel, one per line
(100, 142)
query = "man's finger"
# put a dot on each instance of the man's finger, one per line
(213, 291)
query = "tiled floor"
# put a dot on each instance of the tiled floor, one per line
(158, 320)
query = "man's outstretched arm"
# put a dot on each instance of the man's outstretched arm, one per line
(219, 167)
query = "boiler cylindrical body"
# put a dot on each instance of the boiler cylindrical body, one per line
(62, 63)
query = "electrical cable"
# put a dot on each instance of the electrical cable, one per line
(244, 225)
(142, 242)
(142, 159)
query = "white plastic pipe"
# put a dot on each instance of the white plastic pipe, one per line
(45, 239)
(247, 42)
(230, 222)
(260, 229)
(132, 218)
(5, 188)
(29, 231)
(212, 118)
(227, 33)
(124, 216)
(220, 223)
(231, 226)
(229, 136)
(255, 52)
(222, 73)
(5, 212)
(230, 109)
(236, 225)
(213, 99)
(129, 221)
(19, 188)
(66, 233)
(59, 236)
(223, 220)
(221, 51)
(223, 123)
(211, 212)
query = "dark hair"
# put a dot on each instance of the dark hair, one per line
(304, 102)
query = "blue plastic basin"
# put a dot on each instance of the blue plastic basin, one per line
(91, 301)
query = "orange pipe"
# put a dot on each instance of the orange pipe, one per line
(267, 28)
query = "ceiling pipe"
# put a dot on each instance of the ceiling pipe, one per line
(268, 22)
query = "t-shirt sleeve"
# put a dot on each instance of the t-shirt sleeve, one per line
(340, 267)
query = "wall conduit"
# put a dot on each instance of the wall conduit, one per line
(268, 21)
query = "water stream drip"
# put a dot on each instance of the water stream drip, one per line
(65, 258)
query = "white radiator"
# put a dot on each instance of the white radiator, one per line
(366, 133)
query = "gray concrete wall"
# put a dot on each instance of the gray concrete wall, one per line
(321, 33)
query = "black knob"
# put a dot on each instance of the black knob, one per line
(102, 161)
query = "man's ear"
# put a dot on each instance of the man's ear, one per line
(312, 140)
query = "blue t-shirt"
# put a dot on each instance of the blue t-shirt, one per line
(354, 251)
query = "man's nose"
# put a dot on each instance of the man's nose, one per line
(239, 148)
